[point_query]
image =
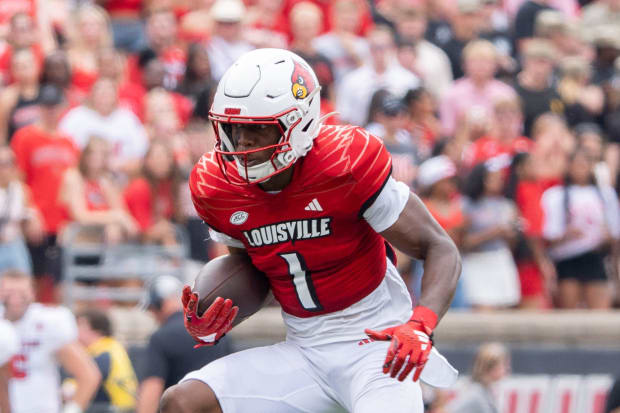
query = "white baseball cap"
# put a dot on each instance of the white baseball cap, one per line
(434, 170)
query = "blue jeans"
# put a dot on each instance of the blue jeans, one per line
(14, 256)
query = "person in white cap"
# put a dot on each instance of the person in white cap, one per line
(227, 43)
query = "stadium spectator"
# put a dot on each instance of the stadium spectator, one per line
(113, 66)
(553, 144)
(22, 35)
(170, 352)
(525, 21)
(227, 42)
(152, 77)
(384, 72)
(152, 199)
(388, 123)
(582, 218)
(583, 102)
(196, 24)
(89, 34)
(305, 23)
(126, 23)
(535, 85)
(504, 135)
(161, 32)
(267, 25)
(606, 44)
(599, 16)
(57, 71)
(197, 83)
(477, 91)
(342, 45)
(48, 340)
(90, 196)
(537, 273)
(423, 124)
(430, 62)
(200, 139)
(101, 116)
(119, 386)
(590, 139)
(18, 219)
(496, 29)
(18, 102)
(437, 185)
(43, 154)
(9, 345)
(464, 27)
(490, 276)
(491, 365)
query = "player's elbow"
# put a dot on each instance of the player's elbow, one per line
(450, 253)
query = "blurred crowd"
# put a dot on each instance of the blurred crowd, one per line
(503, 115)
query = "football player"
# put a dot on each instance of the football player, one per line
(317, 211)
(47, 338)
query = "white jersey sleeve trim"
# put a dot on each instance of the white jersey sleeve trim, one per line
(386, 209)
(225, 239)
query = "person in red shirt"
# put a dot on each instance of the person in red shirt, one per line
(505, 134)
(22, 35)
(91, 197)
(43, 155)
(152, 199)
(90, 34)
(536, 271)
(161, 31)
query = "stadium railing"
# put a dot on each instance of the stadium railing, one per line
(94, 271)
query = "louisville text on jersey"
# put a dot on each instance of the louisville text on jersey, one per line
(289, 231)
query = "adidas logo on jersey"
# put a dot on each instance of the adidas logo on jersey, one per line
(289, 231)
(313, 206)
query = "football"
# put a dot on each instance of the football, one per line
(232, 276)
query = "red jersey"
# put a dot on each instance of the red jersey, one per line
(310, 239)
(147, 207)
(43, 159)
(487, 147)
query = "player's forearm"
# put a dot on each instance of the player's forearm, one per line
(442, 268)
(87, 385)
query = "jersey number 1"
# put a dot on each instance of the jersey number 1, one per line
(302, 281)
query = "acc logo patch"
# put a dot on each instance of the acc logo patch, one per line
(239, 217)
(303, 83)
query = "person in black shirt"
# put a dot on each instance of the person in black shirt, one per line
(534, 83)
(525, 20)
(464, 26)
(171, 354)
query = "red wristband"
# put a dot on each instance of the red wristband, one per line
(426, 316)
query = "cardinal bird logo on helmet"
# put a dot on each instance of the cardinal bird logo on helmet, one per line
(302, 80)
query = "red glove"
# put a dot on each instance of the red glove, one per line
(412, 339)
(216, 321)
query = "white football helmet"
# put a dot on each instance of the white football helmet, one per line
(266, 86)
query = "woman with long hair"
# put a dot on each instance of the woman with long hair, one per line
(491, 365)
(19, 104)
(582, 224)
(91, 197)
(489, 272)
(536, 271)
(90, 34)
(153, 198)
